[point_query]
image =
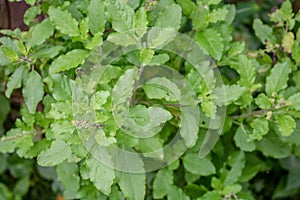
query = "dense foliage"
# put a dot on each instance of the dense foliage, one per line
(251, 151)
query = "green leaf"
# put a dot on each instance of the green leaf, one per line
(62, 87)
(232, 189)
(199, 166)
(212, 42)
(134, 3)
(67, 174)
(212, 2)
(146, 56)
(297, 17)
(121, 15)
(116, 193)
(31, 13)
(22, 48)
(241, 139)
(95, 41)
(64, 130)
(88, 191)
(216, 183)
(263, 101)
(161, 88)
(14, 138)
(290, 186)
(68, 61)
(100, 98)
(189, 125)
(260, 128)
(294, 138)
(209, 108)
(246, 69)
(253, 166)
(47, 51)
(15, 80)
(233, 93)
(40, 33)
(162, 181)
(61, 110)
(263, 32)
(140, 114)
(140, 22)
(295, 101)
(145, 122)
(22, 186)
(188, 7)
(56, 154)
(190, 177)
(151, 147)
(3, 59)
(284, 15)
(14, 33)
(11, 43)
(133, 185)
(287, 9)
(96, 16)
(272, 146)
(123, 39)
(236, 49)
(30, 2)
(4, 109)
(123, 89)
(286, 124)
(159, 37)
(5, 193)
(64, 22)
(216, 15)
(200, 18)
(7, 146)
(9, 53)
(36, 149)
(194, 190)
(3, 160)
(170, 17)
(211, 195)
(159, 59)
(296, 51)
(279, 75)
(296, 77)
(24, 144)
(237, 163)
(288, 42)
(33, 91)
(101, 175)
(176, 193)
(84, 28)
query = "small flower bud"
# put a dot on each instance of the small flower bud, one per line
(269, 115)
(281, 48)
(272, 100)
(273, 9)
(281, 101)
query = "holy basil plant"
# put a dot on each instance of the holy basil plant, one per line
(149, 99)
